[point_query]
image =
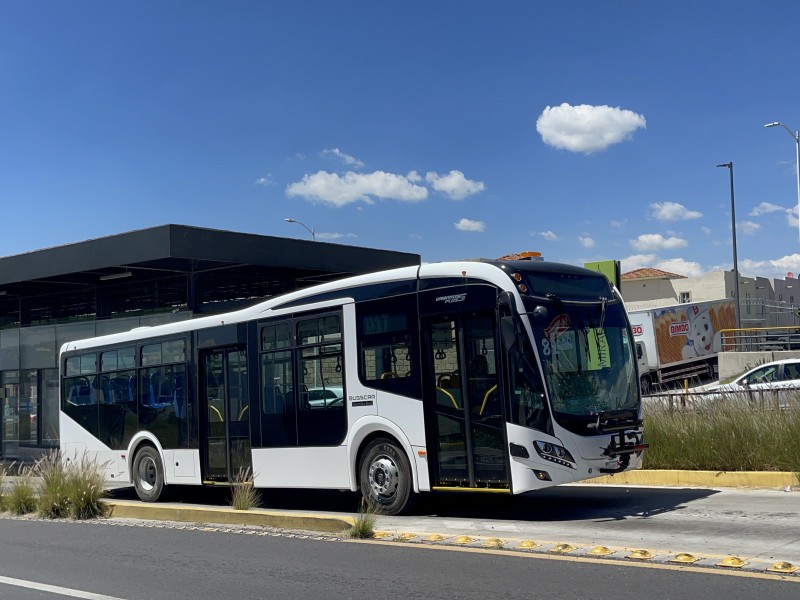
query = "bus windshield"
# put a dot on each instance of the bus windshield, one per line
(587, 359)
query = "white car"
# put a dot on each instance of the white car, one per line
(773, 383)
(324, 397)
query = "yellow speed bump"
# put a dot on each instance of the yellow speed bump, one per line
(783, 567)
(463, 539)
(562, 549)
(434, 537)
(732, 562)
(641, 555)
(601, 551)
(685, 558)
(528, 544)
(379, 535)
(404, 537)
(494, 543)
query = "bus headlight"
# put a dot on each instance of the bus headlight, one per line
(554, 453)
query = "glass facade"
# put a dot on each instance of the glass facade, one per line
(29, 377)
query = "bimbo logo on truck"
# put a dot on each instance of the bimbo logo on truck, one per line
(678, 328)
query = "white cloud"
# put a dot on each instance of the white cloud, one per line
(748, 227)
(266, 180)
(334, 236)
(706, 230)
(586, 241)
(655, 241)
(680, 266)
(470, 225)
(791, 217)
(586, 128)
(787, 263)
(672, 211)
(777, 268)
(340, 190)
(414, 176)
(345, 158)
(765, 208)
(454, 185)
(636, 261)
(549, 236)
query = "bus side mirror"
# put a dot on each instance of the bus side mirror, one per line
(508, 331)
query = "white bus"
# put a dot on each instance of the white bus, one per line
(481, 376)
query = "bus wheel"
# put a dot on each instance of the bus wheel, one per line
(148, 474)
(385, 477)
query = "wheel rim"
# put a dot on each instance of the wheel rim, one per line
(384, 477)
(147, 473)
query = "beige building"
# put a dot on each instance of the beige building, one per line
(762, 302)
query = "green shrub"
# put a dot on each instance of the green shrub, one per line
(21, 498)
(243, 495)
(85, 490)
(52, 487)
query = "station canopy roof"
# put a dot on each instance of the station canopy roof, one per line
(267, 262)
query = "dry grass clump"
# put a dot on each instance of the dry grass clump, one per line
(85, 489)
(724, 437)
(21, 499)
(364, 527)
(244, 496)
(56, 491)
(51, 485)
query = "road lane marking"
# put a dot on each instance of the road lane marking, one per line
(55, 589)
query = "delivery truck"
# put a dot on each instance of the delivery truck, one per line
(679, 342)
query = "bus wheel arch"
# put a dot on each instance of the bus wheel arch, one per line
(385, 476)
(147, 473)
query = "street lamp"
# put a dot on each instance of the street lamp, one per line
(729, 166)
(796, 136)
(309, 229)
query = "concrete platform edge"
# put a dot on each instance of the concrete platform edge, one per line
(740, 479)
(228, 516)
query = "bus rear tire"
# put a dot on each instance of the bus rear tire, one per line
(148, 474)
(385, 477)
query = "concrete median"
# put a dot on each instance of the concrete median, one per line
(124, 509)
(711, 479)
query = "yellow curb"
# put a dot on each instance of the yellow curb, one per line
(740, 479)
(264, 518)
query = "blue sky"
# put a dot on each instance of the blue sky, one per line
(584, 130)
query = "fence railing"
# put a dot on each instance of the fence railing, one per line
(756, 339)
(749, 400)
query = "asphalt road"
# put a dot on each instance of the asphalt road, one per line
(111, 560)
(759, 526)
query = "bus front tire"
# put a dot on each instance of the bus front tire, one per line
(148, 474)
(385, 477)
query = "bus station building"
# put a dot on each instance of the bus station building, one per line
(138, 279)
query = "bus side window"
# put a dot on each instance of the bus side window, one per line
(388, 338)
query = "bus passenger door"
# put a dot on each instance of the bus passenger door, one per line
(226, 408)
(464, 402)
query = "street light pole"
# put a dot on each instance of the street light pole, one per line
(729, 166)
(309, 229)
(796, 136)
